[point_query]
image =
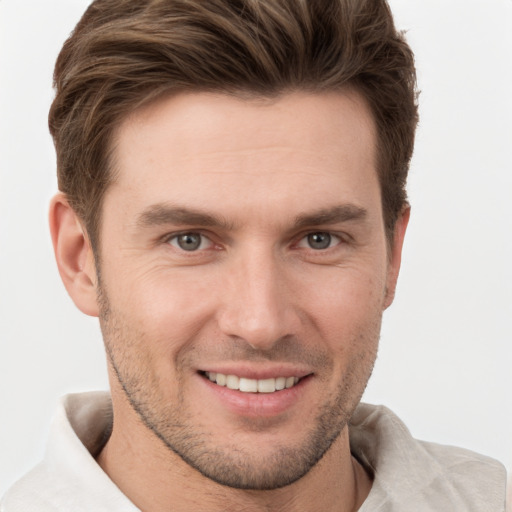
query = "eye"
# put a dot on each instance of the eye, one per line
(319, 241)
(190, 241)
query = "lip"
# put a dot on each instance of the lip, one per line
(257, 405)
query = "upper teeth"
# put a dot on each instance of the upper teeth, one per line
(252, 385)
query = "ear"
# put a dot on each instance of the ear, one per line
(395, 256)
(73, 252)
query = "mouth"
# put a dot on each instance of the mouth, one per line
(271, 385)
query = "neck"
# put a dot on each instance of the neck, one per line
(155, 479)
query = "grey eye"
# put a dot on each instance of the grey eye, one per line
(319, 240)
(189, 241)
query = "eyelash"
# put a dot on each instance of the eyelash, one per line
(333, 237)
(176, 236)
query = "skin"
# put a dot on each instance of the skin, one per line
(254, 181)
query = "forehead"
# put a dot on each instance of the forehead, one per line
(197, 148)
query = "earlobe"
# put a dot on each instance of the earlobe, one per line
(74, 255)
(395, 257)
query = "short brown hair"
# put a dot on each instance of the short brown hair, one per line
(124, 53)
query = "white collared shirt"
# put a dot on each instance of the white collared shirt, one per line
(408, 475)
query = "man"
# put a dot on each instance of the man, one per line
(232, 207)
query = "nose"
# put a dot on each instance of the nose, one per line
(257, 302)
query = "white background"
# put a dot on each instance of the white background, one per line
(446, 350)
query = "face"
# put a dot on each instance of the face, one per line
(244, 271)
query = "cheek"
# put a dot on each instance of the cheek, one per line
(347, 316)
(167, 308)
(346, 300)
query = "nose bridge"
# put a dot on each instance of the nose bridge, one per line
(257, 305)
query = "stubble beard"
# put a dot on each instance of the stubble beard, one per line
(234, 465)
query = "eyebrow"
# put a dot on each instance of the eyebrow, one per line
(161, 214)
(333, 215)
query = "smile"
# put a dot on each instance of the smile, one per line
(252, 385)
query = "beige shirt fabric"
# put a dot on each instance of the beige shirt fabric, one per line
(409, 475)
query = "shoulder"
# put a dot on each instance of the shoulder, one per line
(30, 493)
(468, 475)
(68, 478)
(430, 476)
